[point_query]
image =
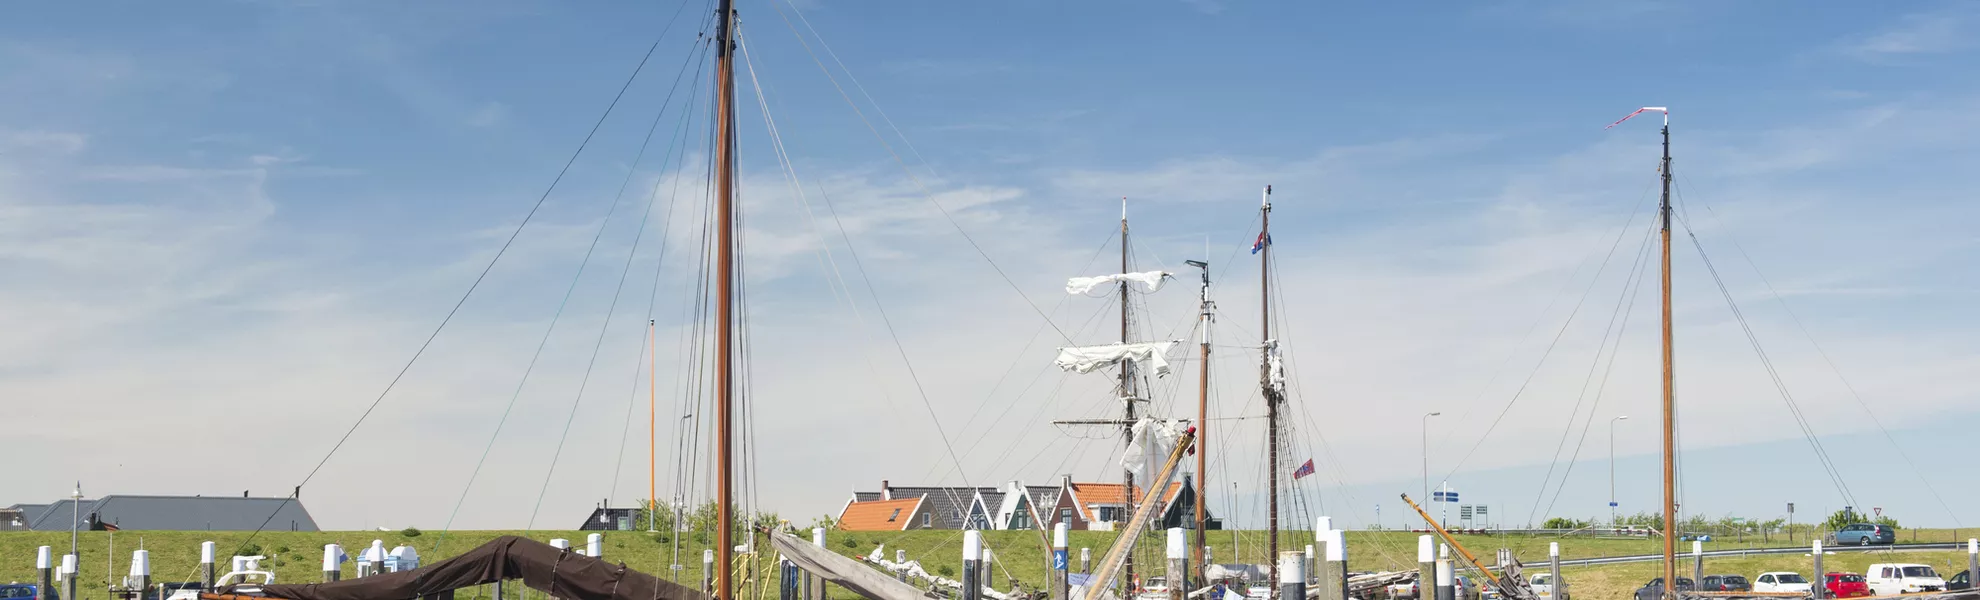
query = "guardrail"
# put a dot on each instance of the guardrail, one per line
(1611, 560)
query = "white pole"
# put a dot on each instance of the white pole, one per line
(1426, 567)
(44, 559)
(1060, 563)
(1178, 555)
(206, 565)
(332, 569)
(594, 545)
(972, 555)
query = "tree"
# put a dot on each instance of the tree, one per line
(1845, 518)
(1563, 523)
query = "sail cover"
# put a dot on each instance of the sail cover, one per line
(846, 572)
(560, 573)
(1085, 359)
(1150, 281)
(1275, 367)
(1152, 442)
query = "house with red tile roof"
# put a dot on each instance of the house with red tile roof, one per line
(1081, 506)
(886, 515)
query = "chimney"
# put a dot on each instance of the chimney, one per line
(886, 491)
(244, 493)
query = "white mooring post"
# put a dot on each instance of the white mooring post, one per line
(815, 582)
(206, 566)
(141, 570)
(1059, 560)
(1337, 565)
(377, 554)
(1313, 563)
(708, 571)
(972, 555)
(1972, 558)
(1698, 565)
(986, 562)
(333, 568)
(1426, 568)
(44, 567)
(594, 545)
(1316, 569)
(1554, 570)
(68, 575)
(1444, 591)
(1292, 574)
(1819, 587)
(1178, 555)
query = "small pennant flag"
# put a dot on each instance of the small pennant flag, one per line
(1304, 469)
(1264, 239)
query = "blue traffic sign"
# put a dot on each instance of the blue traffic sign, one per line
(1443, 496)
(1612, 504)
(1058, 560)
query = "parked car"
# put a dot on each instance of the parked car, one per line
(1780, 581)
(17, 591)
(1725, 583)
(1654, 590)
(1847, 585)
(1462, 589)
(1902, 578)
(1543, 584)
(1864, 534)
(1964, 580)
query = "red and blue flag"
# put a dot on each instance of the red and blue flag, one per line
(1304, 469)
(1264, 239)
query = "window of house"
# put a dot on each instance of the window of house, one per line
(896, 515)
(927, 519)
(1022, 520)
(1065, 515)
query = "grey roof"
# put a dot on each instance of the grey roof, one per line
(947, 504)
(30, 512)
(1043, 497)
(54, 516)
(183, 513)
(865, 496)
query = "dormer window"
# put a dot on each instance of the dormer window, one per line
(896, 515)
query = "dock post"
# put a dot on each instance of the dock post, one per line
(1337, 566)
(900, 558)
(1292, 575)
(1313, 572)
(987, 562)
(1086, 561)
(1972, 558)
(1426, 568)
(972, 555)
(1316, 569)
(1444, 591)
(332, 567)
(68, 576)
(141, 570)
(44, 559)
(1818, 586)
(1178, 550)
(594, 545)
(708, 570)
(815, 582)
(1698, 564)
(1059, 534)
(206, 566)
(1559, 588)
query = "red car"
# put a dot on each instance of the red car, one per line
(1845, 585)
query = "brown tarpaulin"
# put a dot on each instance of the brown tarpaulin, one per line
(560, 573)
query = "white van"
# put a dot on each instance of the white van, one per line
(1901, 578)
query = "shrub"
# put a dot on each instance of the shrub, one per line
(946, 571)
(849, 542)
(411, 532)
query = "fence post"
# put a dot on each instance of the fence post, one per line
(1292, 575)
(972, 555)
(1819, 588)
(1059, 534)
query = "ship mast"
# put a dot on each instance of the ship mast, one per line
(1127, 382)
(1670, 412)
(1272, 398)
(1202, 420)
(725, 246)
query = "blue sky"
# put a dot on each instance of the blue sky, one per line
(247, 216)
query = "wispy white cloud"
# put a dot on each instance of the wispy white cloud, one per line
(1941, 31)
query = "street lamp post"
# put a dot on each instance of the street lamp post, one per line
(1612, 468)
(1426, 454)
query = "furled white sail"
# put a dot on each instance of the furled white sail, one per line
(1150, 281)
(1275, 367)
(1150, 444)
(1085, 359)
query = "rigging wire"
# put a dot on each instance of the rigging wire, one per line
(1826, 359)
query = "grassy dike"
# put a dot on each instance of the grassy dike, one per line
(296, 556)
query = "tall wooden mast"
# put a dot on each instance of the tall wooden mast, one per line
(652, 428)
(725, 248)
(1127, 384)
(1271, 393)
(1670, 413)
(1202, 421)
